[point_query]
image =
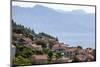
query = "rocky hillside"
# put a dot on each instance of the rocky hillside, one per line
(21, 33)
(41, 48)
(29, 43)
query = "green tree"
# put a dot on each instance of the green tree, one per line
(46, 50)
(24, 51)
(50, 55)
(23, 55)
(58, 55)
(19, 60)
(79, 47)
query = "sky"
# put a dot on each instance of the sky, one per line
(55, 6)
(72, 24)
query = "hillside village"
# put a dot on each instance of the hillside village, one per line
(30, 48)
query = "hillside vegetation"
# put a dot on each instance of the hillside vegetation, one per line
(23, 49)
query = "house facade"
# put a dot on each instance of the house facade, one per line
(70, 52)
(37, 47)
(13, 51)
(40, 59)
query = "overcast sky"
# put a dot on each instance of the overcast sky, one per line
(87, 9)
(72, 24)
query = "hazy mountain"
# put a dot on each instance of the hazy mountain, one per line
(44, 19)
(76, 19)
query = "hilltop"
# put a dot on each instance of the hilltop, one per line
(42, 48)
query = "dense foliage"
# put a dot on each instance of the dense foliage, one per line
(24, 52)
(24, 39)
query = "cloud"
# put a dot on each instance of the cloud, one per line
(88, 9)
(23, 4)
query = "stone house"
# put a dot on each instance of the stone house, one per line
(40, 59)
(70, 52)
(59, 48)
(60, 60)
(37, 47)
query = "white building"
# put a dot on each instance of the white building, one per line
(13, 51)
